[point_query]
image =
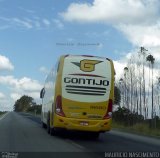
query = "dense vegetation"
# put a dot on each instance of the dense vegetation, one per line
(2, 112)
(126, 118)
(26, 104)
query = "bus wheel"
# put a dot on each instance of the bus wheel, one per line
(43, 125)
(52, 132)
(48, 126)
(95, 135)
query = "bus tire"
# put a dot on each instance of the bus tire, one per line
(52, 131)
(43, 125)
(48, 126)
(95, 135)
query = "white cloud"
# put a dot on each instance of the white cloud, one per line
(22, 23)
(142, 35)
(46, 22)
(26, 10)
(5, 63)
(133, 57)
(18, 88)
(119, 66)
(15, 96)
(35, 95)
(28, 84)
(8, 80)
(6, 103)
(25, 83)
(58, 23)
(2, 96)
(44, 70)
(4, 27)
(26, 23)
(113, 11)
(37, 24)
(138, 20)
(5, 106)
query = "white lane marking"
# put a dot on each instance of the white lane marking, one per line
(3, 116)
(75, 144)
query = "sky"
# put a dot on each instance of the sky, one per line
(34, 33)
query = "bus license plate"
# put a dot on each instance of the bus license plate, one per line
(84, 123)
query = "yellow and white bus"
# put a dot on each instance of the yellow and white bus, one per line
(78, 95)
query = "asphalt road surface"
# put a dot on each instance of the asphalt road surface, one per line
(21, 135)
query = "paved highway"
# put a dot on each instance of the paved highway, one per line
(21, 132)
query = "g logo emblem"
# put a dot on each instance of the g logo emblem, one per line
(88, 65)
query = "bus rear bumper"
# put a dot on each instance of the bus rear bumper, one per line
(82, 124)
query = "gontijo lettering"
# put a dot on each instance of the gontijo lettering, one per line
(86, 81)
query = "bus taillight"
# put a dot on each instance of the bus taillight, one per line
(59, 110)
(109, 111)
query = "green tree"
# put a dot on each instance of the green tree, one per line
(23, 103)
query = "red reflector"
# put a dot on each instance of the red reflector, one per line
(109, 110)
(59, 110)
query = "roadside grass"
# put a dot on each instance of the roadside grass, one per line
(139, 128)
(2, 112)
